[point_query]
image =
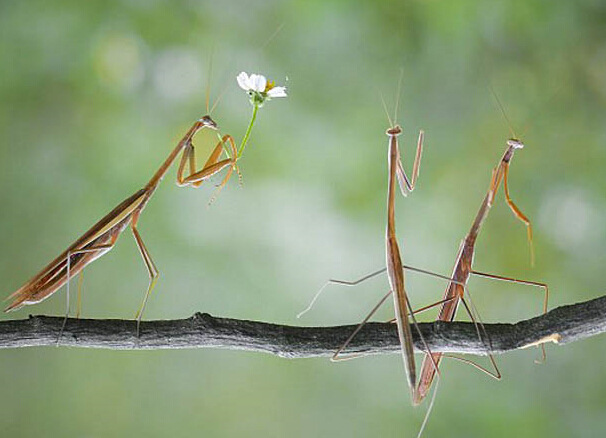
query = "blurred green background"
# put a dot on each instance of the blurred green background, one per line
(94, 95)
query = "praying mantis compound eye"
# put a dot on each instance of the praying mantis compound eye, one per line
(396, 130)
(515, 143)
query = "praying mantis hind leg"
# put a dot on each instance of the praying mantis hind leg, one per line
(79, 299)
(151, 269)
(527, 283)
(341, 282)
(428, 307)
(368, 277)
(479, 326)
(335, 357)
(68, 258)
(426, 347)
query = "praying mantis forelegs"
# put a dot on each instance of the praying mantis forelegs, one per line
(518, 213)
(101, 237)
(211, 167)
(406, 185)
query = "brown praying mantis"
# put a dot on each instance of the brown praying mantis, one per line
(395, 271)
(102, 236)
(260, 90)
(463, 268)
(394, 266)
(455, 291)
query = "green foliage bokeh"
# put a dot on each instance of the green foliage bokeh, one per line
(94, 95)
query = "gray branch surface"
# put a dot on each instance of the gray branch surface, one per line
(563, 325)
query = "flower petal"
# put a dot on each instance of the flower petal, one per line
(243, 81)
(258, 83)
(277, 92)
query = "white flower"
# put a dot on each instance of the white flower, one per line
(253, 82)
(277, 92)
(259, 88)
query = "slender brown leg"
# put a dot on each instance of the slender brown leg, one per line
(336, 358)
(207, 172)
(212, 159)
(68, 266)
(79, 300)
(220, 186)
(405, 184)
(485, 340)
(226, 139)
(189, 156)
(518, 213)
(211, 167)
(528, 283)
(151, 269)
(515, 280)
(474, 364)
(185, 156)
(430, 306)
(368, 277)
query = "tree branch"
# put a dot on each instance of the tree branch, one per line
(563, 325)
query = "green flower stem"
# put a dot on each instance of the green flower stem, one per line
(250, 125)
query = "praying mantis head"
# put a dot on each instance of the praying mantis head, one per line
(515, 143)
(396, 130)
(207, 122)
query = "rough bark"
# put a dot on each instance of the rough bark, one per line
(564, 324)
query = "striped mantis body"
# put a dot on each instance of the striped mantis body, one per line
(463, 268)
(394, 266)
(455, 291)
(102, 237)
(395, 271)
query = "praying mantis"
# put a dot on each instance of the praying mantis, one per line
(457, 282)
(259, 90)
(463, 268)
(103, 235)
(394, 266)
(395, 271)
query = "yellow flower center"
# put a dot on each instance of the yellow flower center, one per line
(269, 86)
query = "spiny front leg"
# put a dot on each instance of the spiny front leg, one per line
(212, 165)
(408, 185)
(189, 157)
(518, 213)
